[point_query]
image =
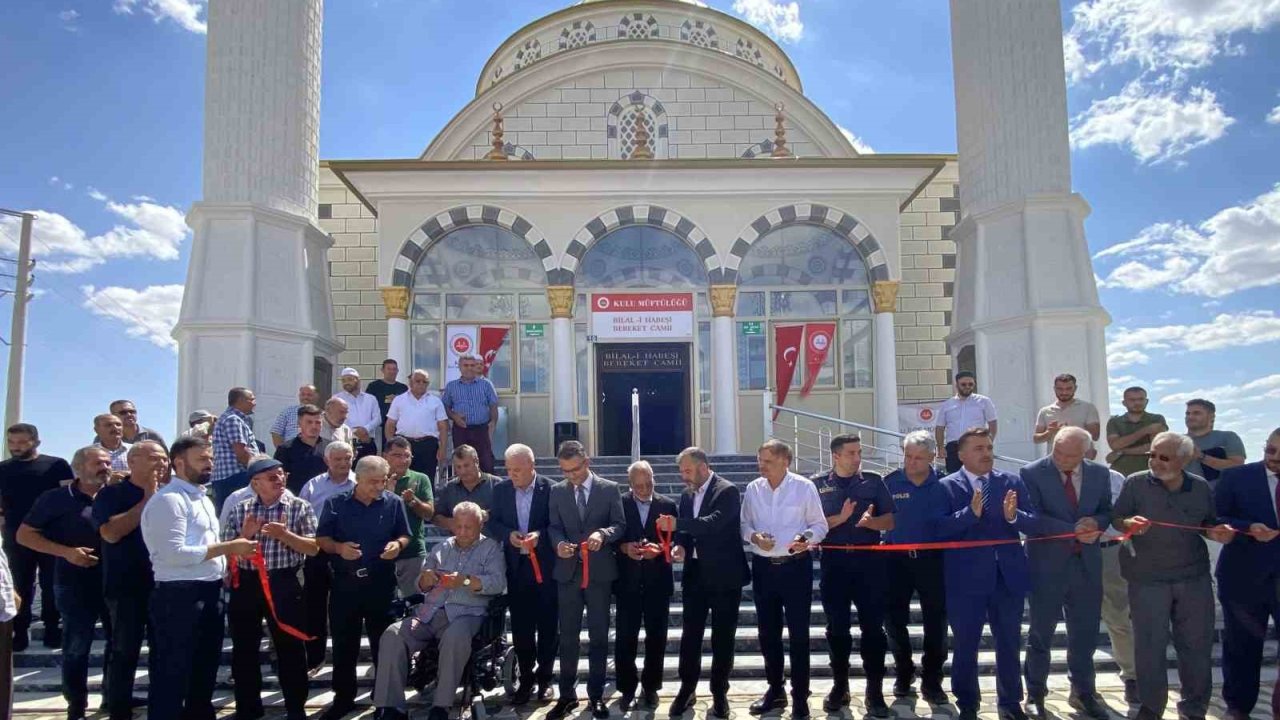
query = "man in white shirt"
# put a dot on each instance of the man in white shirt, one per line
(364, 416)
(419, 417)
(782, 519)
(967, 409)
(181, 531)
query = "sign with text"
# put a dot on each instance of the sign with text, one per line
(459, 340)
(920, 416)
(751, 327)
(642, 316)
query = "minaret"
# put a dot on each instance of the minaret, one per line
(257, 309)
(1026, 301)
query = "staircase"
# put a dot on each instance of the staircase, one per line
(37, 679)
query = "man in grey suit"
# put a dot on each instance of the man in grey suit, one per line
(586, 513)
(1069, 494)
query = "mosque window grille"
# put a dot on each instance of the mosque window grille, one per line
(626, 115)
(747, 50)
(700, 34)
(579, 34)
(528, 54)
(633, 118)
(637, 26)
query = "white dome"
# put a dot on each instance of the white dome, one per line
(689, 2)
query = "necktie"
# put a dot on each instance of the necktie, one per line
(582, 502)
(1071, 490)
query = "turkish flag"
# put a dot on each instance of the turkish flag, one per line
(491, 339)
(817, 342)
(786, 355)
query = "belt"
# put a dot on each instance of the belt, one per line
(420, 438)
(363, 572)
(1110, 542)
(784, 559)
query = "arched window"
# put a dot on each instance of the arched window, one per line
(484, 275)
(641, 256)
(801, 273)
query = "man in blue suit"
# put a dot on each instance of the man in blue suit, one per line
(1248, 499)
(1068, 495)
(985, 584)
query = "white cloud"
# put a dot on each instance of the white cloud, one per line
(1132, 346)
(1236, 249)
(148, 230)
(1263, 388)
(1155, 125)
(68, 18)
(779, 19)
(56, 181)
(858, 143)
(1167, 382)
(186, 13)
(1273, 117)
(96, 194)
(1162, 35)
(149, 313)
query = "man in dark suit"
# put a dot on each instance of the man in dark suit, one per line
(984, 584)
(708, 532)
(644, 588)
(1248, 499)
(519, 518)
(586, 522)
(1069, 494)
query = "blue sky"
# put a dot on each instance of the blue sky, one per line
(1175, 121)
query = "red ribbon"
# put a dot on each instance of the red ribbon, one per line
(585, 554)
(259, 562)
(664, 538)
(533, 558)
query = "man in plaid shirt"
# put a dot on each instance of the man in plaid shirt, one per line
(233, 444)
(285, 527)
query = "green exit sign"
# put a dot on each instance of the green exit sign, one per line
(532, 330)
(750, 328)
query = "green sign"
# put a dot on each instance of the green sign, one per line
(750, 328)
(532, 330)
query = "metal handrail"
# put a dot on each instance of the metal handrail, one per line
(635, 424)
(870, 428)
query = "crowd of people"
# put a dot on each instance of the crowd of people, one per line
(178, 546)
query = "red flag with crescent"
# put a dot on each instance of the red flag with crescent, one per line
(491, 339)
(817, 343)
(786, 348)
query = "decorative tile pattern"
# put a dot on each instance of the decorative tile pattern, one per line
(760, 149)
(697, 32)
(814, 214)
(621, 120)
(528, 54)
(434, 229)
(515, 152)
(577, 35)
(652, 215)
(748, 51)
(638, 26)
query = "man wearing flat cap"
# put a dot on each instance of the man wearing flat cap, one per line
(199, 424)
(364, 416)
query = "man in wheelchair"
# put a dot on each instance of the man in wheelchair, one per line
(460, 577)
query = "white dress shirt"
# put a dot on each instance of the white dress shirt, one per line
(958, 414)
(417, 417)
(178, 526)
(1272, 481)
(322, 487)
(1117, 484)
(362, 411)
(791, 510)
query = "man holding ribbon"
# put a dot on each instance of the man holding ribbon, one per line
(1070, 495)
(645, 586)
(987, 583)
(266, 586)
(519, 520)
(1165, 510)
(586, 522)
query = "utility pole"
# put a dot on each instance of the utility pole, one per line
(18, 328)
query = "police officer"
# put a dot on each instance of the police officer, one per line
(363, 532)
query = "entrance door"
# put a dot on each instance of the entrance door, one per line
(660, 372)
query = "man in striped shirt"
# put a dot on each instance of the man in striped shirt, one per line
(285, 427)
(472, 405)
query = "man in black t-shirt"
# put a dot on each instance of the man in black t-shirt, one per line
(25, 476)
(303, 456)
(386, 390)
(59, 524)
(126, 567)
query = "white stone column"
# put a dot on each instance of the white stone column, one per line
(1026, 299)
(257, 311)
(885, 360)
(563, 355)
(724, 378)
(396, 301)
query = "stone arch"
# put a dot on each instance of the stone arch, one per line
(838, 221)
(437, 227)
(617, 132)
(651, 215)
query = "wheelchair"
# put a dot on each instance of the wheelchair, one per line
(492, 663)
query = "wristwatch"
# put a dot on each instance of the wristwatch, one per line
(466, 582)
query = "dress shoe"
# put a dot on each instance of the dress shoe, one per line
(545, 693)
(799, 708)
(390, 713)
(1036, 709)
(969, 714)
(21, 641)
(523, 692)
(649, 698)
(875, 703)
(682, 703)
(625, 702)
(1012, 712)
(719, 707)
(902, 687)
(836, 699)
(599, 709)
(247, 714)
(1131, 692)
(773, 699)
(563, 707)
(934, 694)
(134, 704)
(75, 714)
(1089, 704)
(338, 710)
(53, 637)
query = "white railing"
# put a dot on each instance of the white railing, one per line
(809, 434)
(635, 424)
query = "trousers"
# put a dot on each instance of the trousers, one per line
(1077, 594)
(857, 579)
(187, 617)
(781, 592)
(357, 604)
(920, 575)
(534, 623)
(25, 564)
(403, 640)
(1244, 633)
(647, 607)
(596, 599)
(129, 627)
(1181, 611)
(246, 611)
(1115, 611)
(81, 607)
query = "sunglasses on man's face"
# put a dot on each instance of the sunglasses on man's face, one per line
(1160, 457)
(1271, 450)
